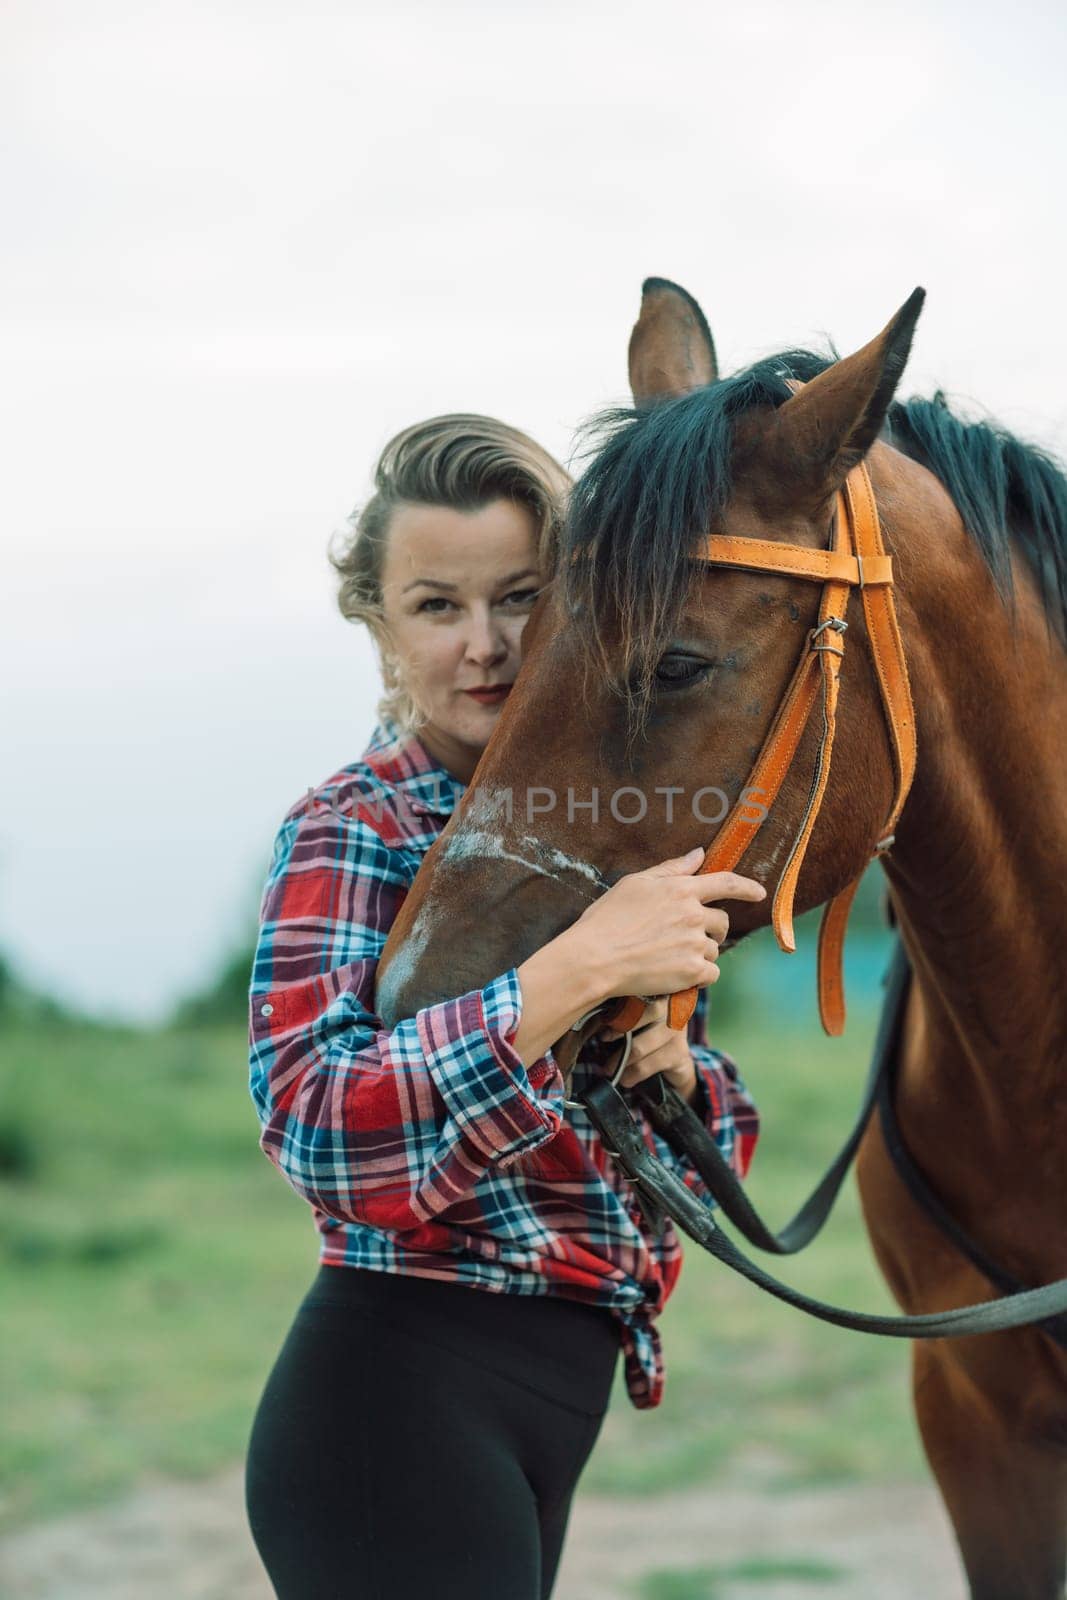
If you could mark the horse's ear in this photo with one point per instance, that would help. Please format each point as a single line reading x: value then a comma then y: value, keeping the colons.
x: 671, y: 348
x: 827, y: 428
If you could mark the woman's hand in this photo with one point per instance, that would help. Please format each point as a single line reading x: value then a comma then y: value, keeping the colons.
x: 655, y: 1047
x: 654, y: 932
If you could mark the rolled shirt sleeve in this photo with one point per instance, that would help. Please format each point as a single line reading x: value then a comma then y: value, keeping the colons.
x: 386, y: 1128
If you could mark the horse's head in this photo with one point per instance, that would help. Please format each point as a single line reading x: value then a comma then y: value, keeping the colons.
x: 649, y: 678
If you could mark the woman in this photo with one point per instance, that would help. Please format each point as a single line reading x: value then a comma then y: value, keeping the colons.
x: 415, y: 1438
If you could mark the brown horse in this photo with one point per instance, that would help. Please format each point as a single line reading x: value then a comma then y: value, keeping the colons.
x: 648, y: 685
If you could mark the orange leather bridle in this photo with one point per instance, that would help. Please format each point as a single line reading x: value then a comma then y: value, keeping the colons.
x: 856, y: 558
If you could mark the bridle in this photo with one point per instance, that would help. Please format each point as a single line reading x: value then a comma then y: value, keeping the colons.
x: 855, y: 559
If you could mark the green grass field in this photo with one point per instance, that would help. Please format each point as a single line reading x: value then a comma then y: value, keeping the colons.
x: 151, y: 1259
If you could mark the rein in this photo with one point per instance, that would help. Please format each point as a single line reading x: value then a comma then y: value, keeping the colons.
x: 661, y: 1193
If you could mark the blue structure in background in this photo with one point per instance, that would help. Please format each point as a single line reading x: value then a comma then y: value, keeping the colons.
x: 759, y: 974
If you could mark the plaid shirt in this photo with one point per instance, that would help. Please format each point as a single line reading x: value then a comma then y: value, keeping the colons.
x: 431, y: 1149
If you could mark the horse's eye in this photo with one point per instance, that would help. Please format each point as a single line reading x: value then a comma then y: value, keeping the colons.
x: 678, y: 671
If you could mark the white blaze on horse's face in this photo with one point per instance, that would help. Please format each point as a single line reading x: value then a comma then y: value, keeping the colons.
x: 472, y: 846
x: 489, y: 830
x: 547, y: 861
x: 397, y: 973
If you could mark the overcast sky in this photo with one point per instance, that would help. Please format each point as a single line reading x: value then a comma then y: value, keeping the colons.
x: 244, y: 245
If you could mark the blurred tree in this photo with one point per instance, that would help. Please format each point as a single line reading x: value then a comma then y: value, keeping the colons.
x: 23, y: 1003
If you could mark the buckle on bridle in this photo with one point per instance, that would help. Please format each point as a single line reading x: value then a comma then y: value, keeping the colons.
x: 624, y: 1056
x: 838, y: 624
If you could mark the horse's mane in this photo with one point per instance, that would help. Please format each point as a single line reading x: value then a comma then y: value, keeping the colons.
x: 660, y: 477
x: 1007, y: 492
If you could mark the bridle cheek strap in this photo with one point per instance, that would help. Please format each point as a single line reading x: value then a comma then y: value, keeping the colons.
x: 856, y: 559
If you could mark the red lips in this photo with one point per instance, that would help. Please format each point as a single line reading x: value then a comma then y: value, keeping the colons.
x: 493, y: 695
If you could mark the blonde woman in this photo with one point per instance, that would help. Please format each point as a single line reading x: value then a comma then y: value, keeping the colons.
x: 446, y: 1376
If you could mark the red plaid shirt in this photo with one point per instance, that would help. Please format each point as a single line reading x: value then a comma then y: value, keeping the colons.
x: 431, y: 1149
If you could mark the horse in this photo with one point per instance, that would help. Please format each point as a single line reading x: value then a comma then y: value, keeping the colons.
x: 649, y: 681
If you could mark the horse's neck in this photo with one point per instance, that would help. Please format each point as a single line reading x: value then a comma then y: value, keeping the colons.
x: 980, y: 858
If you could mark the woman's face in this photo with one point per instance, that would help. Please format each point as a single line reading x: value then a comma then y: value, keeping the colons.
x: 457, y: 588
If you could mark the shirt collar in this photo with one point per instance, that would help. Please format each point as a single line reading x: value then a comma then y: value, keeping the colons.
x: 400, y: 761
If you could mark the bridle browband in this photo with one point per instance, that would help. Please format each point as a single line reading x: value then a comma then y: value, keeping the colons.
x: 855, y: 559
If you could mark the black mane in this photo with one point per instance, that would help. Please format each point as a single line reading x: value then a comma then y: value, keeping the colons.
x: 1007, y: 492
x: 660, y: 478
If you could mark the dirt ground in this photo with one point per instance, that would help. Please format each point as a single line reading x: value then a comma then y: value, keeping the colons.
x: 190, y: 1542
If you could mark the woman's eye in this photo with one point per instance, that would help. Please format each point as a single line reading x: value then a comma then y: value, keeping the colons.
x: 520, y: 597
x: 435, y: 604
x: 677, y: 671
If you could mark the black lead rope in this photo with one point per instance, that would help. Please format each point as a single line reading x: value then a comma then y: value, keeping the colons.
x: 685, y: 1132
x: 661, y: 1192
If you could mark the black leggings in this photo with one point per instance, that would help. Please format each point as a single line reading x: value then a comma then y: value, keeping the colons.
x: 420, y: 1438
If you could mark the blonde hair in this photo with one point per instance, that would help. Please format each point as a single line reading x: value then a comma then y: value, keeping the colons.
x: 462, y: 461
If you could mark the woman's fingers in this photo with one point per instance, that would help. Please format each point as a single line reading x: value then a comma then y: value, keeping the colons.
x: 712, y: 885
x: 656, y: 931
x: 676, y: 866
x: 728, y: 886
x: 654, y: 1012
x: 658, y: 1049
